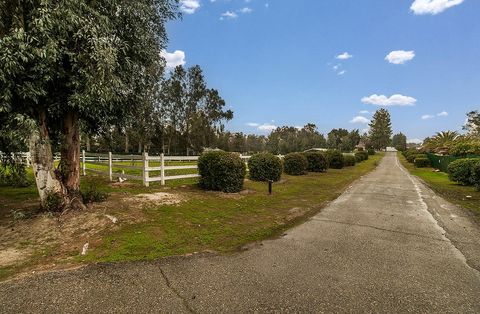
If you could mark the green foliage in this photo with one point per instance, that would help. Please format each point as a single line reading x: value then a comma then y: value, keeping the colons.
x: 221, y: 171
x: 54, y: 202
x: 466, y: 146
x: 295, y: 164
x: 361, y: 156
x: 350, y: 160
x: 473, y: 123
x: 343, y: 140
x: 335, y: 159
x: 317, y: 162
x: 265, y: 167
x: 13, y: 172
x: 411, y: 157
x: 91, y: 194
x: 380, y: 129
x: 288, y: 139
x: 371, y: 151
x: 461, y: 170
x: 399, y: 141
x: 422, y: 162
x: 476, y: 175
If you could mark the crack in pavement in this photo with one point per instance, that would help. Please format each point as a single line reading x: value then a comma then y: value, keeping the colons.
x: 169, y: 285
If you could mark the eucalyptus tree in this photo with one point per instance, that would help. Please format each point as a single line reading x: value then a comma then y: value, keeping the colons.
x: 399, y: 141
x: 66, y: 62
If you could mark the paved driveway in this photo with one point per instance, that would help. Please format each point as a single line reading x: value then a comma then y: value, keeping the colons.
x: 388, y: 244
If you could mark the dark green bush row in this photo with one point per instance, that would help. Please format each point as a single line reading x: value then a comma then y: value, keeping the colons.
x: 422, y: 162
x: 412, y: 157
x: 265, y: 167
x: 350, y: 160
x: 335, y: 159
x: 361, y: 156
x: 295, y: 164
x: 221, y: 171
x: 317, y: 162
x: 463, y: 171
x: 371, y: 151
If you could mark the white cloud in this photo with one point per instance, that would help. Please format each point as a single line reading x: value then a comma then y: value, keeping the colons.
x: 360, y: 119
x: 415, y: 141
x: 267, y: 127
x: 189, y: 6
x: 364, y: 112
x: 394, y: 100
x: 245, y: 10
x: 427, y: 117
x: 342, y: 72
x: 229, y: 15
x: 400, y: 56
x: 432, y: 6
x: 173, y: 59
x: 253, y: 124
x: 442, y: 114
x: 344, y: 56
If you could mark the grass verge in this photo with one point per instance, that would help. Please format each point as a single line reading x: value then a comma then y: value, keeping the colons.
x: 439, y: 182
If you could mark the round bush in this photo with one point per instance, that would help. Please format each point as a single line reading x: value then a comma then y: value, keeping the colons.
x: 422, y: 162
x: 411, y: 158
x: 461, y: 170
x: 295, y: 164
x: 371, y: 151
x: 221, y: 171
x: 350, y: 160
x: 265, y: 167
x: 317, y: 162
x: 361, y: 156
x: 336, y: 160
x: 476, y: 175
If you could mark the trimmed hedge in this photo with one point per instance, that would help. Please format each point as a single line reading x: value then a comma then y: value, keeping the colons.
x: 221, y: 171
x: 461, y: 170
x: 350, y: 160
x: 411, y: 157
x: 371, y: 151
x: 317, y: 162
x: 361, y: 156
x: 335, y: 159
x: 295, y: 164
x: 421, y: 162
x: 476, y: 175
x: 265, y: 167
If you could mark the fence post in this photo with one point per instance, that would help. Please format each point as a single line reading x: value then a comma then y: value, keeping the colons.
x: 83, y: 163
x: 145, y: 171
x: 162, y: 164
x: 110, y: 170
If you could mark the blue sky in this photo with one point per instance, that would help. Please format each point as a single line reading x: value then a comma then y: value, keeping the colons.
x: 279, y: 62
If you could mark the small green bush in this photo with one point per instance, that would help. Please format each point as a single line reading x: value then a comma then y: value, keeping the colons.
x: 461, y: 170
x: 421, y: 162
x: 317, y: 162
x: 361, y: 156
x: 221, y: 171
x: 91, y: 194
x: 265, y: 167
x: 476, y: 175
x: 371, y: 151
x: 335, y: 159
x: 350, y: 160
x: 295, y: 164
x: 411, y: 158
x: 54, y: 202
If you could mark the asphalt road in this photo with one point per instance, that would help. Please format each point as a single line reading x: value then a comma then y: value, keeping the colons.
x: 388, y: 244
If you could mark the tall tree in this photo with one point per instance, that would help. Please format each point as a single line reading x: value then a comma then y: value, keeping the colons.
x: 473, y: 123
x: 399, y: 141
x: 380, y: 129
x: 77, y: 61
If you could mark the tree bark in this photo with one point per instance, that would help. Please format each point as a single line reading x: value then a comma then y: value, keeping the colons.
x: 46, y: 177
x: 88, y: 143
x: 70, y: 159
x: 126, y: 142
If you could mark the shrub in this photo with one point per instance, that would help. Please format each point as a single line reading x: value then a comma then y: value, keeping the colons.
x: 361, y: 156
x: 421, y: 162
x: 411, y: 158
x: 335, y: 159
x: 461, y: 170
x: 476, y: 175
x: 317, y: 162
x: 91, y: 194
x: 350, y: 160
x: 295, y: 164
x: 371, y: 151
x: 221, y: 171
x: 265, y: 167
x: 53, y: 202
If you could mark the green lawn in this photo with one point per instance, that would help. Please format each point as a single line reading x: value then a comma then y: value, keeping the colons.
x: 204, y: 221
x: 439, y: 182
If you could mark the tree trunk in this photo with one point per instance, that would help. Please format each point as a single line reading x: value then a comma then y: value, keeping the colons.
x: 140, y: 147
x: 126, y: 142
x: 70, y: 156
x: 47, y: 179
x: 88, y: 143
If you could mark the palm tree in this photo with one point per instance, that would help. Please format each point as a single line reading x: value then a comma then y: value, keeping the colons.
x: 442, y: 141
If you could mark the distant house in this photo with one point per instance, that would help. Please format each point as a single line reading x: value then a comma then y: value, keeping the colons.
x: 391, y: 149
x: 316, y: 150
